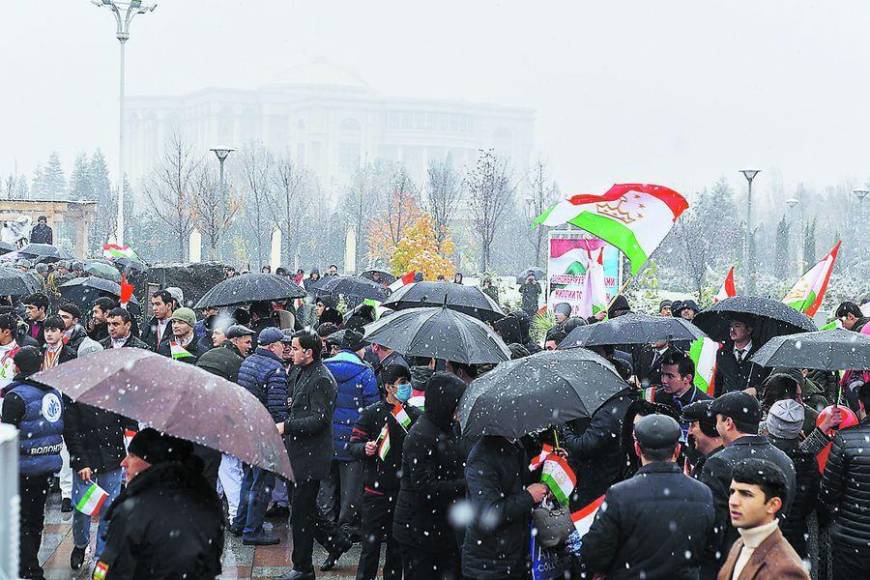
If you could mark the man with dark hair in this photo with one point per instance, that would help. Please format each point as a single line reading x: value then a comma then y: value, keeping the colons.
x: 554, y: 336
x: 98, y: 327
x: 36, y: 307
x: 850, y: 316
x: 332, y: 270
x: 73, y: 332
x: 735, y: 370
x: 685, y: 309
x: 54, y: 351
x: 702, y: 437
x: 530, y: 290
x: 665, y: 308
x: 36, y: 410
x: 120, y: 325
x: 844, y: 489
x: 8, y: 347
x: 756, y: 495
x: 659, y: 503
x: 158, y: 329
x: 308, y: 431
x: 677, y: 376
x: 42, y: 232
x: 737, y: 417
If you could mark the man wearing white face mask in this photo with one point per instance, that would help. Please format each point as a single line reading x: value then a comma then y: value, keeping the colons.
x: 377, y: 440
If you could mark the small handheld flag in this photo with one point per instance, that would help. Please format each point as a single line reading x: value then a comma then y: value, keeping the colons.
x: 703, y: 351
x: 92, y: 500
x: 807, y: 294
x: 728, y: 288
x: 538, y: 461
x: 384, y: 443
x: 402, y: 280
x: 128, y: 436
x: 559, y: 477
x: 178, y: 352
x: 401, y: 416
x: 584, y: 517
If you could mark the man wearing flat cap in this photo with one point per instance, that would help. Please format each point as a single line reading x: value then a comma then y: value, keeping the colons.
x: 703, y: 439
x: 659, y: 503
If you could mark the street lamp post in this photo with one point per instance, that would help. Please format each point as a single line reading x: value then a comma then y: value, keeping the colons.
x: 794, y: 237
x: 861, y: 194
x: 124, y: 12
x: 221, y: 153
x: 749, y: 255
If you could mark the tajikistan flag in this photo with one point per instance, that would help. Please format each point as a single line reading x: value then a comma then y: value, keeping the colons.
x: 807, y: 294
x: 728, y: 290
x: 93, y: 499
x: 401, y: 416
x: 703, y: 351
x: 115, y: 251
x: 634, y: 217
x: 584, y: 517
x: 559, y: 477
x: 178, y: 352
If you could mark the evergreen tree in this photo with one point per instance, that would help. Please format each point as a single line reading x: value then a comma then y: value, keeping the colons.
x: 101, y: 187
x: 809, y: 244
x: 80, y: 186
x: 37, y: 184
x: 780, y: 264
x: 55, y: 180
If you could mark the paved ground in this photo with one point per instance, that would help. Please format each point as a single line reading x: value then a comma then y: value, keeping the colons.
x: 239, y: 561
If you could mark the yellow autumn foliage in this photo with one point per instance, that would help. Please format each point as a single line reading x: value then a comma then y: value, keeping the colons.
x: 418, y: 250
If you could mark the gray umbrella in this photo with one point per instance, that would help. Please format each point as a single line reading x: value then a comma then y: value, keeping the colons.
x: 45, y: 253
x: 16, y: 283
x: 102, y: 269
x: 83, y: 292
x: 439, y: 333
x: 632, y: 328
x: 771, y: 318
x: 250, y: 288
x: 532, y: 393
x: 827, y: 350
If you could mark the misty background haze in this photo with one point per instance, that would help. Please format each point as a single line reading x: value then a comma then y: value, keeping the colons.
x: 678, y: 93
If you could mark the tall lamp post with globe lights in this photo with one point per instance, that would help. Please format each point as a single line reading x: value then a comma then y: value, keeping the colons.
x: 124, y: 12
x: 749, y: 255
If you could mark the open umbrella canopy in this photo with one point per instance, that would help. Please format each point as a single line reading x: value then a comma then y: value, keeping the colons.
x: 355, y: 289
x: 130, y: 264
x: 632, y: 328
x: 45, y: 253
x: 385, y: 277
x: 828, y: 350
x: 532, y: 393
x: 176, y: 398
x: 83, y: 291
x: 16, y: 283
x: 772, y: 318
x: 439, y: 333
x: 466, y: 299
x: 102, y: 269
x: 6, y: 247
x: 250, y: 288
x: 534, y: 270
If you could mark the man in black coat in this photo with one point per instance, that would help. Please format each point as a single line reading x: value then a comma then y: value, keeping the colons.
x: 432, y: 480
x: 595, y: 453
x: 97, y: 326
x: 845, y: 486
x: 42, y: 232
x: 737, y: 417
x: 182, y: 344
x: 121, y: 331
x: 656, y: 524
x: 496, y: 544
x: 226, y: 359
x: 159, y: 329
x: 168, y: 522
x: 734, y: 369
x: 308, y: 435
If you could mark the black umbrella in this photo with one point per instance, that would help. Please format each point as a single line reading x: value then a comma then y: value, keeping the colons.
x: 439, y: 333
x: 385, y: 277
x: 537, y: 272
x: 827, y: 350
x: 466, y: 299
x: 130, y: 264
x: 250, y: 288
x: 16, y: 283
x: 532, y: 393
x: 632, y: 328
x: 771, y: 318
x: 102, y: 269
x: 45, y: 253
x: 354, y: 289
x: 7, y: 247
x: 83, y: 292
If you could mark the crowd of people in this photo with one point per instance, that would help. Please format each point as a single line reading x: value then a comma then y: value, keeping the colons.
x: 713, y: 485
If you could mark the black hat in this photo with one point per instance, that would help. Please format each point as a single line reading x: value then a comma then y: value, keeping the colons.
x: 689, y: 304
x: 657, y: 432
x: 155, y: 447
x: 742, y: 407
x: 238, y: 331
x: 665, y: 304
x: 353, y: 340
x: 28, y: 359
x: 700, y: 411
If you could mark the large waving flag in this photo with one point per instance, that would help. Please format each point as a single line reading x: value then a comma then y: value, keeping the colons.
x: 634, y: 217
x: 728, y: 289
x: 111, y: 251
x: 807, y: 294
x: 703, y: 351
x: 594, y: 297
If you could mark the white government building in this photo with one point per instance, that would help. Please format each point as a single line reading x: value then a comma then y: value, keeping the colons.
x: 328, y: 119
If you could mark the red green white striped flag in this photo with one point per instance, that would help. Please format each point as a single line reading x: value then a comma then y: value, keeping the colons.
x: 807, y: 294
x: 401, y: 416
x: 93, y: 499
x: 177, y: 351
x: 728, y: 289
x: 584, y: 517
x: 634, y: 217
x: 538, y: 460
x: 384, y: 443
x: 115, y: 251
x: 703, y: 351
x: 559, y: 477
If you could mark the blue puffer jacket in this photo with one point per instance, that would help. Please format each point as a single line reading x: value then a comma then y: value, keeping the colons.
x: 357, y: 389
x: 40, y: 429
x: 263, y: 375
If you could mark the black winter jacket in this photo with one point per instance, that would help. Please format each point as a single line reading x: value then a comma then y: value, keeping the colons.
x: 132, y: 342
x: 149, y: 334
x: 165, y: 349
x: 381, y: 476
x: 432, y: 471
x: 308, y: 429
x: 496, y: 544
x: 733, y: 376
x: 846, y: 487
x: 167, y: 523
x: 807, y: 479
x: 223, y: 361
x: 655, y: 525
x: 595, y: 454
x: 94, y: 437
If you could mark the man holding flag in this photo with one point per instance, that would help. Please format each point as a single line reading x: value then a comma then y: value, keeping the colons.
x: 655, y: 524
x: 183, y: 346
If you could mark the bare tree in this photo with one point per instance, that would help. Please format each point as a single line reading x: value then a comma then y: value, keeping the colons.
x: 170, y: 190
x: 257, y: 181
x: 401, y: 205
x: 540, y: 195
x: 365, y: 192
x: 214, y: 210
x: 695, y: 257
x: 442, y: 194
x: 489, y: 193
x: 291, y: 203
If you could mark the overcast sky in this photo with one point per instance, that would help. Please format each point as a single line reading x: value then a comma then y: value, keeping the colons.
x: 677, y: 93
